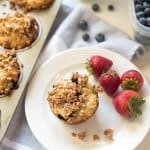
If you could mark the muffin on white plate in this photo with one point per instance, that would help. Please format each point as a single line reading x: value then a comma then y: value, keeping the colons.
x: 74, y: 100
x: 9, y: 71
x: 17, y: 31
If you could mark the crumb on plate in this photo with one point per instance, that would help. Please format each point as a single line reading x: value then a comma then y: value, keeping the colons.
x: 108, y: 133
x: 96, y: 137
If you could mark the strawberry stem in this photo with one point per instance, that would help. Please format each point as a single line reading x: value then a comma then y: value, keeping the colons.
x: 89, y: 67
x: 134, y: 106
x: 130, y: 84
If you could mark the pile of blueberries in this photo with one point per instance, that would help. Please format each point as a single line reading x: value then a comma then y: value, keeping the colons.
x: 142, y: 9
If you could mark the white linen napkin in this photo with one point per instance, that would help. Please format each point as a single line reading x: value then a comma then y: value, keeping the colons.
x: 19, y: 136
x: 69, y: 35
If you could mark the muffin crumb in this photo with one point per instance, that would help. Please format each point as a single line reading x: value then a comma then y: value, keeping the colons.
x: 74, y: 134
x: 96, y: 137
x: 82, y: 135
x: 108, y: 133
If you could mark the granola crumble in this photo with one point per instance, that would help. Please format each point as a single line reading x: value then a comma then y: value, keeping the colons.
x: 9, y: 71
x: 17, y: 31
x: 28, y: 5
x: 74, y: 100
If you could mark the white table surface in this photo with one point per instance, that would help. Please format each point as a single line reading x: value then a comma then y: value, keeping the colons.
x: 121, y: 19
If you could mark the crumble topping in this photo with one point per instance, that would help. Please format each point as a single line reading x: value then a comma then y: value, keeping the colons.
x: 17, y: 31
x: 28, y: 5
x: 74, y: 100
x: 9, y: 71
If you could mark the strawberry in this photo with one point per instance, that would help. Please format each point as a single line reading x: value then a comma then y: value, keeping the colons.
x: 110, y: 82
x: 128, y: 103
x: 98, y: 65
x: 132, y: 79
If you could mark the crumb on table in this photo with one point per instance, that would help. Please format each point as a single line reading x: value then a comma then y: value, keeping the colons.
x: 108, y: 133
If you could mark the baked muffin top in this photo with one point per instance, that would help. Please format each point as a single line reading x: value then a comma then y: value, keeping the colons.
x: 17, y: 31
x: 74, y: 100
x: 9, y: 71
x: 28, y: 5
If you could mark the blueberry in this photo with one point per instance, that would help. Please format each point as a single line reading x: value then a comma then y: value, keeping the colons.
x: 95, y: 7
x: 100, y: 37
x: 111, y: 7
x: 83, y: 25
x: 148, y: 21
x: 147, y: 11
x: 140, y: 14
x: 138, y: 1
x: 146, y: 5
x: 138, y: 7
x: 86, y: 37
x: 74, y: 80
x: 142, y: 20
x: 147, y: 1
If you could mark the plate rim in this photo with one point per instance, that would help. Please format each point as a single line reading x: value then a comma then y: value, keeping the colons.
x: 72, y: 50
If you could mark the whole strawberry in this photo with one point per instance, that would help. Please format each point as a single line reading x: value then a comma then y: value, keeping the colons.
x: 128, y: 103
x: 132, y: 79
x: 98, y: 65
x: 110, y: 82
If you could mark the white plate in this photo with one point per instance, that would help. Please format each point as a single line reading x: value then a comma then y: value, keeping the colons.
x: 54, y: 134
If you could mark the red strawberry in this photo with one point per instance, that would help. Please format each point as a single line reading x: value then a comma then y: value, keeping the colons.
x: 132, y: 79
x: 98, y: 65
x: 128, y: 103
x: 110, y: 82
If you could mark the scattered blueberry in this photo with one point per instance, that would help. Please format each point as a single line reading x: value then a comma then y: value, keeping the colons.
x: 138, y: 7
x: 100, y: 37
x: 140, y: 14
x: 111, y: 7
x: 86, y: 37
x: 146, y: 5
x: 147, y: 11
x: 83, y: 25
x: 148, y: 21
x: 95, y: 7
x: 142, y: 20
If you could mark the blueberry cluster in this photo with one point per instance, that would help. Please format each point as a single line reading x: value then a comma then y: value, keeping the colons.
x: 142, y: 9
x: 83, y: 25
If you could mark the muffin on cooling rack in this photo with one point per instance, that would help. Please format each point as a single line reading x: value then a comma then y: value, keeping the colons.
x: 74, y: 100
x: 17, y: 31
x: 28, y: 5
x: 9, y: 71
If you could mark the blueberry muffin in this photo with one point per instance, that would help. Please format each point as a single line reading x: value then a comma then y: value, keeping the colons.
x: 9, y: 71
x: 74, y: 100
x: 28, y: 5
x: 17, y: 31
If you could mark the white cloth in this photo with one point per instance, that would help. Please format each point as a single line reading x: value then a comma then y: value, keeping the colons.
x: 19, y: 136
x: 69, y: 35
